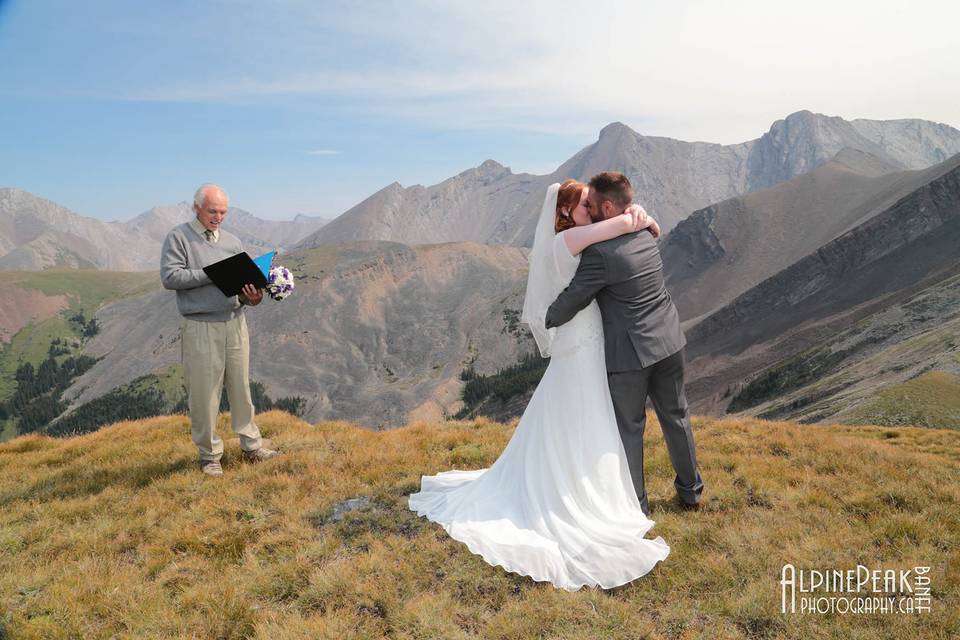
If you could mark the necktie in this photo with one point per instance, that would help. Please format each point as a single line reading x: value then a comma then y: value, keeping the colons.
x: 209, y: 235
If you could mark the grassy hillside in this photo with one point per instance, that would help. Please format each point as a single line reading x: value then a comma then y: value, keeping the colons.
x: 117, y: 534
x: 86, y: 289
x: 930, y: 400
x: 85, y: 292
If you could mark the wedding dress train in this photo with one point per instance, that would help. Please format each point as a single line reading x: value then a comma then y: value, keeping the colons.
x: 559, y: 504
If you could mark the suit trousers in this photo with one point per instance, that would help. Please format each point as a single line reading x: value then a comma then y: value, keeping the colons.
x: 214, y: 354
x: 663, y: 383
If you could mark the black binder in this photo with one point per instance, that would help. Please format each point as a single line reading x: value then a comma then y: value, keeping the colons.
x: 232, y: 273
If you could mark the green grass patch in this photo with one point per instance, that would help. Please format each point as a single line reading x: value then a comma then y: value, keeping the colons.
x: 85, y: 290
x: 311, y: 266
x: 931, y: 400
x: 30, y: 344
x: 8, y: 430
x: 168, y: 381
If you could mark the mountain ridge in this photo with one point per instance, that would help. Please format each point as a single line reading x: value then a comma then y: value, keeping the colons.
x: 899, y: 253
x: 729, y: 247
x: 376, y: 333
x: 37, y: 233
x: 489, y: 203
x: 671, y: 178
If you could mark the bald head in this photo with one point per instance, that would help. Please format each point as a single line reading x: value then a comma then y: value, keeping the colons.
x: 204, y: 190
x: 210, y: 204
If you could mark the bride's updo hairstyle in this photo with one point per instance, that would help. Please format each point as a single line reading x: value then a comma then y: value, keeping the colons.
x: 568, y: 198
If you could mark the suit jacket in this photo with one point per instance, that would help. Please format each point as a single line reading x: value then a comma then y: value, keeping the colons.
x: 641, y: 325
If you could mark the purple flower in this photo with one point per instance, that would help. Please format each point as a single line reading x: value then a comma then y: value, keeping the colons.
x: 279, y: 283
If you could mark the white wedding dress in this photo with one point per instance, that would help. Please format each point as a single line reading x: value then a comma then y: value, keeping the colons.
x: 558, y: 505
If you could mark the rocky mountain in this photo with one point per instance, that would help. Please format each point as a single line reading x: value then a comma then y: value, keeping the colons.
x: 834, y: 298
x: 899, y: 365
x: 885, y: 282
x: 805, y: 140
x: 253, y: 231
x: 37, y: 234
x: 729, y: 247
x: 491, y: 204
x: 842, y: 269
x: 672, y: 178
x: 476, y: 205
x: 378, y: 333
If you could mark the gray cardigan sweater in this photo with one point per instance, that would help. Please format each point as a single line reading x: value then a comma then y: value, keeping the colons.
x: 185, y: 252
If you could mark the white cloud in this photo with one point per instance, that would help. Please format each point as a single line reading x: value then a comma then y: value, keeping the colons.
x: 719, y: 72
x: 323, y: 152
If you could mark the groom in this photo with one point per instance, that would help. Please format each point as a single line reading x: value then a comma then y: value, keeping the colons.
x: 644, y: 342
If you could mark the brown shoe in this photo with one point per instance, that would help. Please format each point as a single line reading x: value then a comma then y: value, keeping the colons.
x: 211, y: 468
x: 259, y: 455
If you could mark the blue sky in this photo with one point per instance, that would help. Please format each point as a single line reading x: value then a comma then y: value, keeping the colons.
x: 110, y: 108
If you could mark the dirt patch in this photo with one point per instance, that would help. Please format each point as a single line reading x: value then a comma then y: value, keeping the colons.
x: 23, y: 306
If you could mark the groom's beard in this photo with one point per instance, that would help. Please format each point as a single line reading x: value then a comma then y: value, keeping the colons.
x: 596, y: 214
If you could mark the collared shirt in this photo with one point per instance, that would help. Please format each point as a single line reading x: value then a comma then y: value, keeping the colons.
x: 197, y: 226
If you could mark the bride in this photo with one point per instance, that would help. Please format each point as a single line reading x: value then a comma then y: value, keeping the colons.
x: 559, y: 504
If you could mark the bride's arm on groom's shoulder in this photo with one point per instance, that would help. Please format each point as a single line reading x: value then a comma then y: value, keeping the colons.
x: 579, y: 238
x: 633, y: 219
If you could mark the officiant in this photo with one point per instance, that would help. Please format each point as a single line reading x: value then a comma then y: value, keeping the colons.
x: 215, y: 346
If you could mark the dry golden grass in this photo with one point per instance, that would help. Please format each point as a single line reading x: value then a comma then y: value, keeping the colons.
x: 117, y: 534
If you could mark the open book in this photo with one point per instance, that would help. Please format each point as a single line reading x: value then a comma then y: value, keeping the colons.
x: 230, y: 274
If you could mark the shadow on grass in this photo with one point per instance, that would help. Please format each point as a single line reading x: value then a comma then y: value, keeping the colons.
x: 92, y: 480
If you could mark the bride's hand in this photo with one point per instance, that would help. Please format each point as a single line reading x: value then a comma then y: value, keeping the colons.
x: 638, y: 219
x: 654, y: 228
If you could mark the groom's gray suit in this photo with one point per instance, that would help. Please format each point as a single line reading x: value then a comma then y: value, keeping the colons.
x: 644, y: 350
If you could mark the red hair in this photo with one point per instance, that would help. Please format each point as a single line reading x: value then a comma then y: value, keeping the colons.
x: 568, y: 199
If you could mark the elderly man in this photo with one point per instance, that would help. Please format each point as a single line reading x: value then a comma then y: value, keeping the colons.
x: 215, y: 347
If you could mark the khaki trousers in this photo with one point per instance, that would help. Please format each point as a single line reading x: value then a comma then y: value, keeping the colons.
x: 214, y: 353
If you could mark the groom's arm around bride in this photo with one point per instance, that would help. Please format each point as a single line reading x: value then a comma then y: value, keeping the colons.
x: 642, y: 337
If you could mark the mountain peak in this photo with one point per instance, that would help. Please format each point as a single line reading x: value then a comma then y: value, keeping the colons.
x: 15, y: 193
x: 487, y: 169
x: 615, y: 129
x: 802, y: 113
x: 492, y: 168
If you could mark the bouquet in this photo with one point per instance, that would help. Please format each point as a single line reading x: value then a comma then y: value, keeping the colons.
x: 279, y: 283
